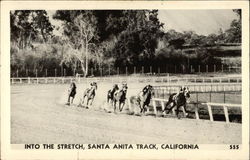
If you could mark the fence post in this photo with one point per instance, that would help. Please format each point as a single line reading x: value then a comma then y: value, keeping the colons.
x: 27, y: 73
x: 17, y: 73
x: 61, y: 71
x: 210, y: 113
x: 162, y: 105
x: 206, y: 68
x: 55, y: 72
x: 92, y: 71
x: 101, y: 71
x: 129, y: 104
x: 154, y: 105
x: 222, y: 68
x: 46, y: 72
x: 118, y: 71
x: 126, y: 70
x: 36, y: 73
x: 109, y: 70
x: 226, y: 113
x: 191, y: 69
x: 150, y: 69
x: 28, y: 80
x: 64, y: 72
x: 210, y: 95
x: 224, y: 92
x: 196, y: 111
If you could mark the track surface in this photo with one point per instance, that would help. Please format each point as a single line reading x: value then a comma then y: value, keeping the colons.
x: 38, y: 115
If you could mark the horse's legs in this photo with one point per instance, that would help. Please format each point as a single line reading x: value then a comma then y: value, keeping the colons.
x: 141, y: 106
x: 174, y: 104
x: 114, y: 105
x: 165, y: 108
x: 177, y: 110
x: 145, y: 108
x: 108, y: 99
x: 91, y: 101
x: 87, y: 106
x: 121, y: 105
x: 185, y: 110
x: 72, y: 100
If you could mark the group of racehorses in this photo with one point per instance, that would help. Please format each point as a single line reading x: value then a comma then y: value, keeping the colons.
x: 118, y: 96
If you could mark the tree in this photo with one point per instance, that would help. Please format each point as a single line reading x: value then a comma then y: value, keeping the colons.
x: 139, y: 40
x: 80, y: 33
x: 29, y: 25
x: 233, y: 34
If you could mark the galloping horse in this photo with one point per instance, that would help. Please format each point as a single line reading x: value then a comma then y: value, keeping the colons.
x: 144, y: 97
x: 71, y: 93
x: 178, y: 100
x: 111, y: 92
x: 120, y: 97
x: 90, y: 94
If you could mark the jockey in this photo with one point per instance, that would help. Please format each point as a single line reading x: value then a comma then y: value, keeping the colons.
x: 71, y: 92
x: 182, y: 89
x: 114, y: 90
x: 72, y: 89
x: 145, y: 89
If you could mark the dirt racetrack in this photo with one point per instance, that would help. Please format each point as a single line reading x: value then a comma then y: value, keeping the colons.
x: 38, y: 115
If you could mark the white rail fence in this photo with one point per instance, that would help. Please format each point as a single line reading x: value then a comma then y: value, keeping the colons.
x: 161, y: 91
x: 225, y: 108
x: 46, y: 80
x: 209, y: 107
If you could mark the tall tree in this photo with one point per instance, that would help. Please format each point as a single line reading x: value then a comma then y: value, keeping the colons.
x: 80, y: 33
x: 29, y: 25
x: 233, y: 34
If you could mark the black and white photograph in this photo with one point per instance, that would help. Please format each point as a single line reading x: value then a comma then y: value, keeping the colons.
x: 149, y: 79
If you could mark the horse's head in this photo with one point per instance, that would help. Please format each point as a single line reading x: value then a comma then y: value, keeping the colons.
x: 151, y: 90
x: 115, y: 87
x: 186, y: 93
x: 124, y: 87
x: 73, y: 85
x: 148, y: 91
x: 93, y: 85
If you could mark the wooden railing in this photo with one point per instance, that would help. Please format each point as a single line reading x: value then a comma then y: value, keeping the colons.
x: 225, y: 108
x: 166, y: 79
x: 161, y: 91
x: 209, y: 106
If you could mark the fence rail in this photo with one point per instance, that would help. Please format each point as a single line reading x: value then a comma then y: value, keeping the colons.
x: 120, y: 79
x: 198, y: 88
x: 209, y: 106
x: 225, y: 108
x: 127, y: 70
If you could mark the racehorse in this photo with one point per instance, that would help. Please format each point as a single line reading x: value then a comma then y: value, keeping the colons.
x: 71, y: 93
x: 89, y: 93
x: 111, y: 92
x: 144, y: 97
x: 178, y: 100
x: 120, y: 97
